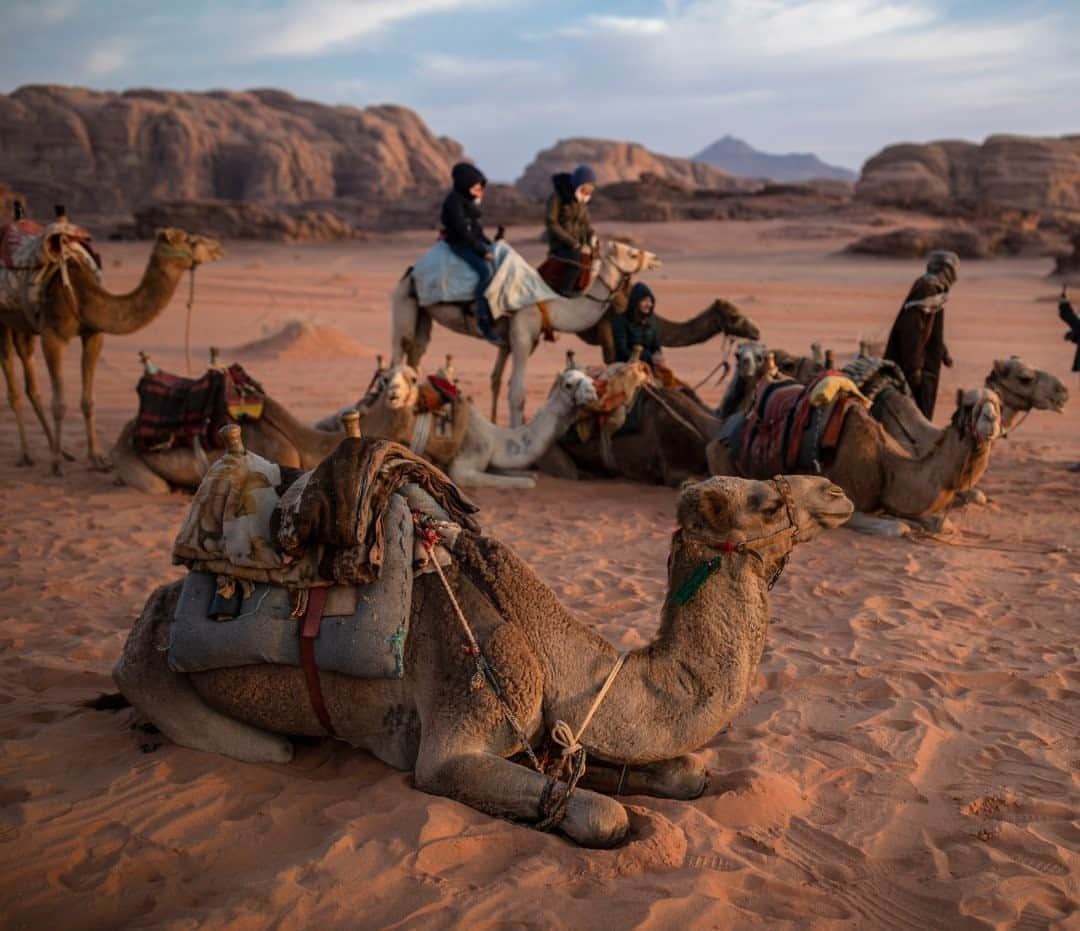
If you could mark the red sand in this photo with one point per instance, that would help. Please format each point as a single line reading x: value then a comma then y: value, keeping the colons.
x: 909, y: 758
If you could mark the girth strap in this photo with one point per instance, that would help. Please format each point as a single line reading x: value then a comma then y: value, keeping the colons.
x: 546, y: 326
x: 309, y: 632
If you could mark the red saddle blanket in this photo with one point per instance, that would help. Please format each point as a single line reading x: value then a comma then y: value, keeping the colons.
x: 772, y: 437
x: 13, y: 235
x: 175, y: 411
x: 554, y: 271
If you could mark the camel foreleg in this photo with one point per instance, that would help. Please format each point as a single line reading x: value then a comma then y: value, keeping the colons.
x: 522, y: 344
x: 469, y: 476
x: 170, y: 701
x: 496, y: 381
x: 131, y: 469
x: 499, y: 787
x: 877, y: 526
x: 24, y: 347
x: 53, y: 348
x: 683, y: 778
x: 92, y: 344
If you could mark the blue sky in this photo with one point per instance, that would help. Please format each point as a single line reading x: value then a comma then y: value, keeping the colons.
x: 840, y: 78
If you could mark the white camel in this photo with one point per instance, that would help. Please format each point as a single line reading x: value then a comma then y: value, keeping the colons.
x: 522, y: 331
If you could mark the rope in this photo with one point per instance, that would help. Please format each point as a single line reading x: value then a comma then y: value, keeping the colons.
x: 724, y: 363
x: 187, y: 324
x: 1016, y: 426
x: 675, y: 415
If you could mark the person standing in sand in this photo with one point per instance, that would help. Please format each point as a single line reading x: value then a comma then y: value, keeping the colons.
x: 917, y: 340
x: 464, y: 232
x: 567, y: 225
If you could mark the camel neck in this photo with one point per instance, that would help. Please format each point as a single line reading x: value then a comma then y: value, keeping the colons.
x: 520, y: 447
x: 120, y: 314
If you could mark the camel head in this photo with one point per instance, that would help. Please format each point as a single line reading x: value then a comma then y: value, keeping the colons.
x: 751, y: 359
x: 978, y: 414
x: 1024, y: 388
x: 757, y: 513
x: 732, y: 321
x: 398, y: 388
x: 629, y: 260
x: 575, y: 389
x: 189, y: 250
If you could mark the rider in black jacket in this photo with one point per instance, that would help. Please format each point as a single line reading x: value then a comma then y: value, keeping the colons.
x: 461, y: 222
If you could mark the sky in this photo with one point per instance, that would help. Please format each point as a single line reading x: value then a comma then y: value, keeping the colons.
x: 507, y: 78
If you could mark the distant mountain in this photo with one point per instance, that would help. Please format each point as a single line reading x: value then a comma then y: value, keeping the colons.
x: 739, y: 158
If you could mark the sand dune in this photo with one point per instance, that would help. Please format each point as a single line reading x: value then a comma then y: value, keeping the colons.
x: 909, y: 758
x: 302, y: 341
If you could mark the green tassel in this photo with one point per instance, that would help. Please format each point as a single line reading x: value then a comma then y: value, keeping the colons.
x: 685, y: 592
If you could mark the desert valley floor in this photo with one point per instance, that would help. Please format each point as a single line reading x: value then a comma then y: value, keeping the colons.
x: 910, y: 757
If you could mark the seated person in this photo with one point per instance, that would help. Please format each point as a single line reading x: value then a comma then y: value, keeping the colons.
x: 637, y: 327
x: 464, y: 232
x: 567, y: 225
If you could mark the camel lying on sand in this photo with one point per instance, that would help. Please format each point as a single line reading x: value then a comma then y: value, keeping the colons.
x: 389, y: 410
x: 521, y: 331
x: 87, y: 310
x: 668, y: 700
x: 277, y: 435
x: 878, y: 474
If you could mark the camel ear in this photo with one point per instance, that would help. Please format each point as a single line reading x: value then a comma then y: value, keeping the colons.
x: 715, y: 507
x: 1000, y: 366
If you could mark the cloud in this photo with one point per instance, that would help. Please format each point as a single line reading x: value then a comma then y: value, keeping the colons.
x: 629, y: 25
x: 107, y: 58
x: 308, y: 28
x: 455, y: 67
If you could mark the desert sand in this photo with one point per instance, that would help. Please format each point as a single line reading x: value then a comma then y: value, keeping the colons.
x: 910, y: 757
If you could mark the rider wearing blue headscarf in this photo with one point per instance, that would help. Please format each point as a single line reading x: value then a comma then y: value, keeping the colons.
x: 568, y: 227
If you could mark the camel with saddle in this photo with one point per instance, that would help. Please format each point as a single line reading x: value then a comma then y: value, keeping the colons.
x: 403, y: 406
x: 471, y: 723
x: 52, y: 289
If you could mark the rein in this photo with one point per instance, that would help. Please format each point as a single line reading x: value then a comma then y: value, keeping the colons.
x: 685, y: 593
x: 624, y: 278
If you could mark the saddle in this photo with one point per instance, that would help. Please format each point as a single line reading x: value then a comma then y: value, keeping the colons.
x: 792, y: 427
x: 177, y: 411
x: 617, y: 388
x: 555, y: 270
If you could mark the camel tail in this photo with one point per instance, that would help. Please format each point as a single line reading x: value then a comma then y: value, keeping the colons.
x: 106, y: 701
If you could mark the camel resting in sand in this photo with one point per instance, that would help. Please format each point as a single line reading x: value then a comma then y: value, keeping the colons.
x: 879, y: 475
x: 389, y: 410
x: 668, y: 700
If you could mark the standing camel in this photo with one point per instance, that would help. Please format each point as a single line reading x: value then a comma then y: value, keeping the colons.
x: 668, y: 700
x: 81, y: 307
x: 522, y: 329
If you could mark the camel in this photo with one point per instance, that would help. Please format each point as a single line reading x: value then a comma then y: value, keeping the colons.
x: 1020, y: 387
x: 719, y: 317
x: 389, y: 411
x: 753, y: 362
x: 277, y: 435
x: 878, y: 474
x: 85, y: 309
x: 668, y: 700
x: 521, y: 330
x: 804, y: 369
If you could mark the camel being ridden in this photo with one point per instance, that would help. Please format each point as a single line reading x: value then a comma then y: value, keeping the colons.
x: 390, y: 411
x: 879, y: 475
x: 667, y: 700
x: 520, y: 331
x: 75, y: 304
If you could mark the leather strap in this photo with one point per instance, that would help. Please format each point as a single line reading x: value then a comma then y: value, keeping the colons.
x: 309, y: 632
x: 546, y: 326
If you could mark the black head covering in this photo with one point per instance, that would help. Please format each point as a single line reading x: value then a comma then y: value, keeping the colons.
x: 465, y: 176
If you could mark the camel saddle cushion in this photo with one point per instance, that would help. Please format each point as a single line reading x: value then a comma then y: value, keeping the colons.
x: 554, y: 271
x: 176, y: 411
x: 363, y: 627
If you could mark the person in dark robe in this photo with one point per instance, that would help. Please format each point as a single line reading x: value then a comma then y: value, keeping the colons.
x: 1072, y: 321
x: 917, y: 340
x: 464, y: 232
x: 637, y: 327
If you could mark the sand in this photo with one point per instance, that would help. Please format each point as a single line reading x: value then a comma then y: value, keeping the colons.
x: 909, y: 757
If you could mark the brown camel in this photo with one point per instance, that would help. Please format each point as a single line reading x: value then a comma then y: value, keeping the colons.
x: 87, y: 310
x: 668, y: 700
x: 719, y: 317
x: 277, y: 435
x: 878, y: 474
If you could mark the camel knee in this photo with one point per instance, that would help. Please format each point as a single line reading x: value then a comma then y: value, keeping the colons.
x: 87, y: 406
x: 59, y: 409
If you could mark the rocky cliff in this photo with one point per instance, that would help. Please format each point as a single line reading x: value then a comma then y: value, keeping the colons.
x: 615, y: 161
x: 113, y: 153
x: 952, y: 177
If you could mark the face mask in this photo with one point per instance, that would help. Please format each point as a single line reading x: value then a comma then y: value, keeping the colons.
x: 582, y: 197
x: 478, y: 199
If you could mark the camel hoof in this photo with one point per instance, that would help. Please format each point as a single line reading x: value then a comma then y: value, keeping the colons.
x: 973, y: 496
x: 70, y: 457
x: 99, y: 463
x: 58, y: 469
x: 23, y: 461
x: 594, y: 820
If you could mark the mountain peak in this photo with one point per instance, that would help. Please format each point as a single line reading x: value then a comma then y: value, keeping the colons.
x: 740, y: 158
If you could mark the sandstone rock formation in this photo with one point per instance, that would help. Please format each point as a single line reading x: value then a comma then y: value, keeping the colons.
x: 742, y: 159
x: 110, y: 153
x: 951, y: 177
x: 242, y: 220
x: 979, y: 241
x: 622, y: 161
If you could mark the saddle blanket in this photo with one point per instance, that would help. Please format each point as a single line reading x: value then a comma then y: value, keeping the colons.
x: 555, y: 270
x: 441, y: 277
x: 174, y: 411
x: 362, y: 633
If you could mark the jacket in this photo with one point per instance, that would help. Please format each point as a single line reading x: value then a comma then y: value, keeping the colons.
x: 461, y: 216
x: 567, y: 219
x: 630, y: 329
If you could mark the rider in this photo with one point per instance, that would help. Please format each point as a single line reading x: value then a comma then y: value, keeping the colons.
x: 569, y: 229
x: 637, y: 327
x: 464, y: 232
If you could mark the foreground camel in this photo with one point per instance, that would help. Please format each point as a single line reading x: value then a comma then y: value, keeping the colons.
x: 1020, y: 387
x: 523, y: 328
x: 878, y: 474
x: 668, y: 700
x: 389, y: 411
x: 277, y: 435
x: 88, y: 311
